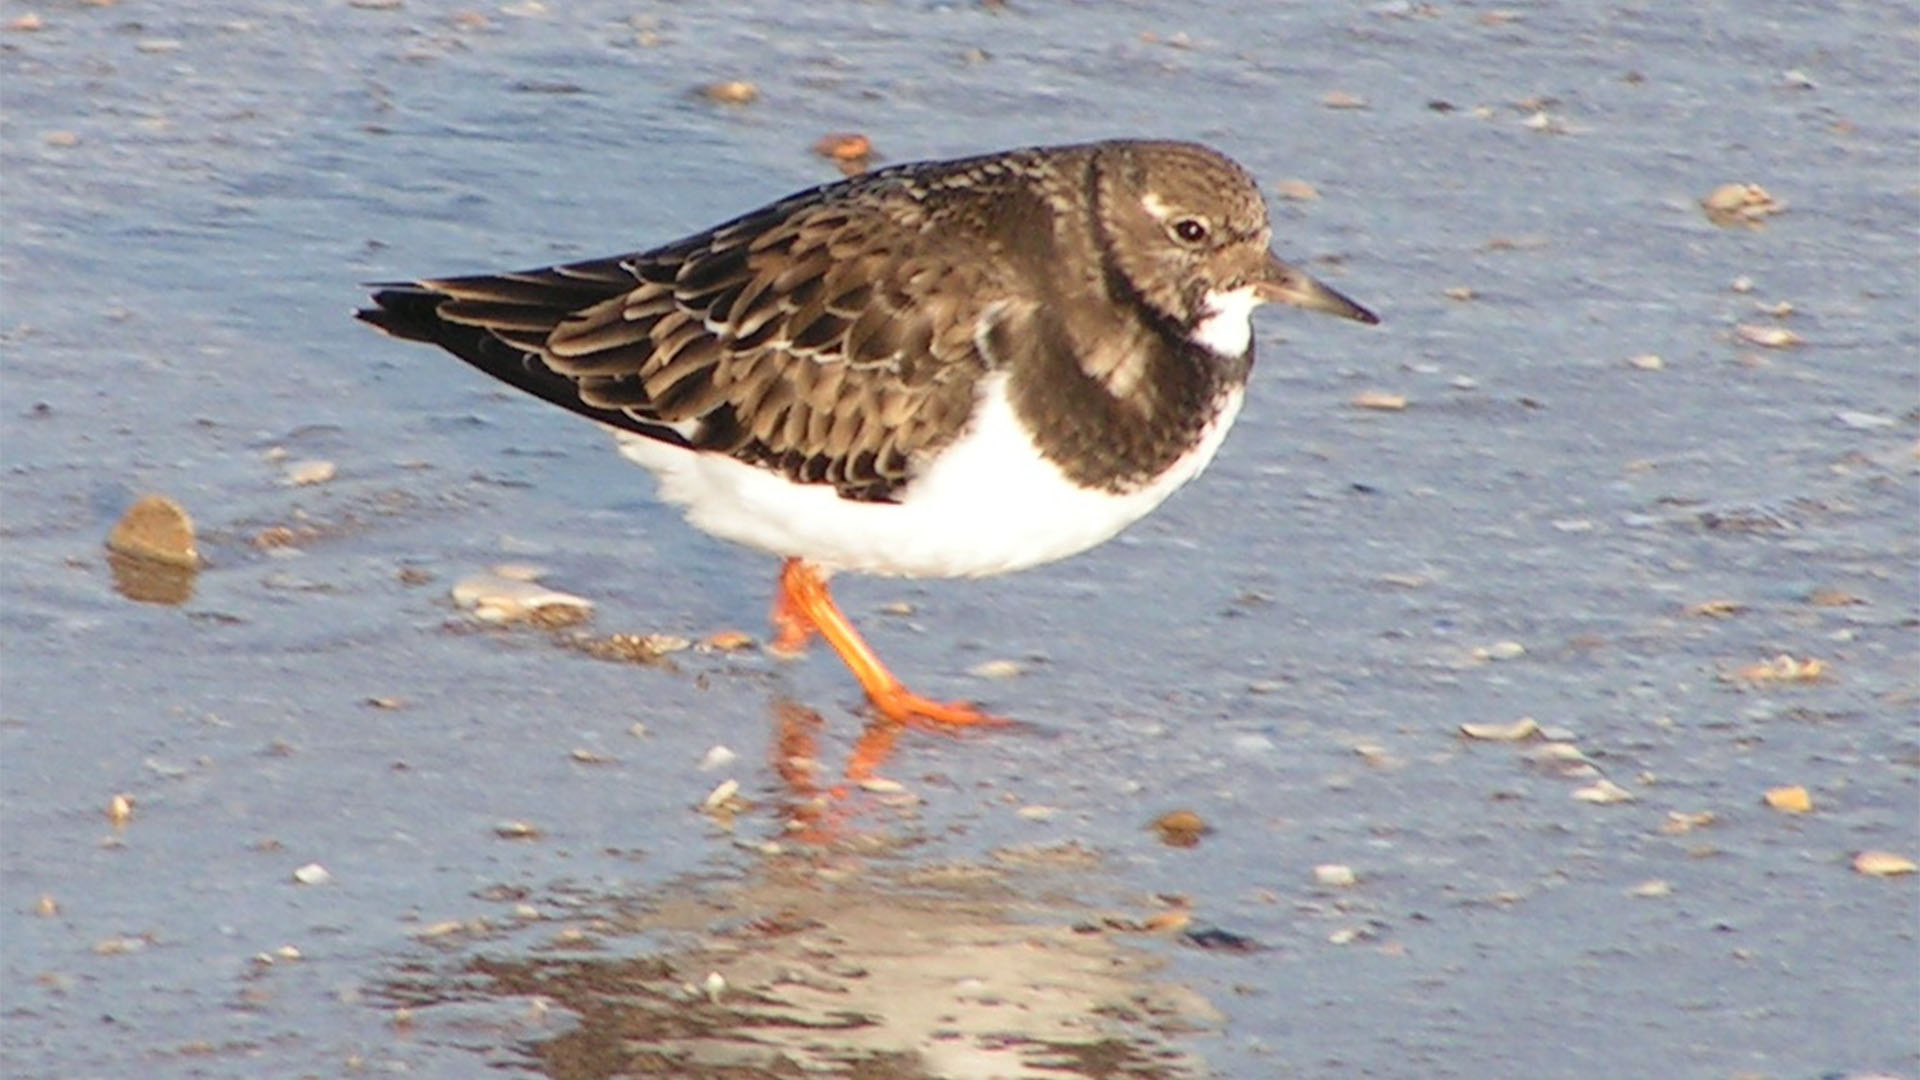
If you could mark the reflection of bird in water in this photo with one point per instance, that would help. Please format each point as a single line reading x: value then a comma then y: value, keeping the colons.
x: 948, y: 971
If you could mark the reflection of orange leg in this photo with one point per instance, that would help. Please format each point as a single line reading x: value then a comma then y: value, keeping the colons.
x: 805, y: 606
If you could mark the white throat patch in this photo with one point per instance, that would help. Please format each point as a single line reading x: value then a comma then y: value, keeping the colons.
x: 1226, y: 328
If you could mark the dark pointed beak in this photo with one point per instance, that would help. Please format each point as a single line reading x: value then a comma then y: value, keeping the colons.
x: 1285, y: 285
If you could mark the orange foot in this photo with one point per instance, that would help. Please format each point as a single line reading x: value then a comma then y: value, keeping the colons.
x: 804, y: 607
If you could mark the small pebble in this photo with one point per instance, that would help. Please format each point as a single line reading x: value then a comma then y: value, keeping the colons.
x: 1036, y: 813
x: 717, y: 757
x: 1181, y: 828
x: 120, y: 809
x: 1648, y: 890
x: 731, y: 92
x: 1524, y: 728
x: 156, y: 528
x: 1646, y: 362
x: 1790, y: 800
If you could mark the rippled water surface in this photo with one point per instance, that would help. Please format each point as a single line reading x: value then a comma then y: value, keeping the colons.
x: 521, y: 882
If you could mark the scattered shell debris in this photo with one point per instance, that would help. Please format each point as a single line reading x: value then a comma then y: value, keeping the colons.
x: 517, y: 830
x: 1340, y: 99
x: 1379, y: 401
x: 1461, y: 293
x: 1181, y: 828
x: 730, y: 92
x: 1768, y: 337
x: 46, y: 906
x: 1882, y: 864
x: 727, y: 641
x: 585, y: 756
x: 629, y: 648
x: 1334, y: 875
x: 1646, y: 362
x: 1524, y: 728
x: 1731, y: 205
x: 1603, y: 793
x: 308, y: 473
x: 722, y: 799
x: 714, y: 985
x: 1791, y: 799
x: 1680, y: 822
x: 1296, y: 191
x: 1826, y: 596
x: 504, y: 595
x: 1854, y: 420
x: 120, y: 946
x: 1715, y: 609
x: 1500, y: 650
x: 1781, y: 669
x: 995, y: 669
x: 1037, y: 812
x: 717, y: 757
x: 312, y: 874
x: 1648, y: 890
x: 120, y: 809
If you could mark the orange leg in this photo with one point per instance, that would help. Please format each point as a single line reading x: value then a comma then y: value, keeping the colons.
x: 792, y: 628
x: 804, y: 607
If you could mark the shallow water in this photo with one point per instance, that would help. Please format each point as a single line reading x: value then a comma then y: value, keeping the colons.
x: 1288, y: 647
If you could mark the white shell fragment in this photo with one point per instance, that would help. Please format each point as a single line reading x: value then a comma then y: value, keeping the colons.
x: 1604, y: 793
x: 720, y: 796
x: 312, y: 874
x: 497, y: 598
x: 307, y: 473
x: 1334, y: 875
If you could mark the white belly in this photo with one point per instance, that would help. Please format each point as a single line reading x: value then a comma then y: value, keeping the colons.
x: 990, y: 504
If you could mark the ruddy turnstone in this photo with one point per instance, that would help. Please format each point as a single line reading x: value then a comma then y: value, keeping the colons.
x: 942, y: 369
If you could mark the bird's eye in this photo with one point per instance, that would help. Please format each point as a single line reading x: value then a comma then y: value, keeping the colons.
x: 1190, y: 230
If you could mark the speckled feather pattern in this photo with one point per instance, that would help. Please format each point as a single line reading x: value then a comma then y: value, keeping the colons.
x: 838, y: 336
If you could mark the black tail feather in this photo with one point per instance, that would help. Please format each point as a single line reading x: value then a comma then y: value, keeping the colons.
x: 411, y: 311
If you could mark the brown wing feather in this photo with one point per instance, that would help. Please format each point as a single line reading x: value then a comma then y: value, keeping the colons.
x: 794, y: 338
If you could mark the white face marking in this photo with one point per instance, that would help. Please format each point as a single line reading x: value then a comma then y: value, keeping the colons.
x: 988, y: 505
x: 1226, y: 327
x: 1153, y: 205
